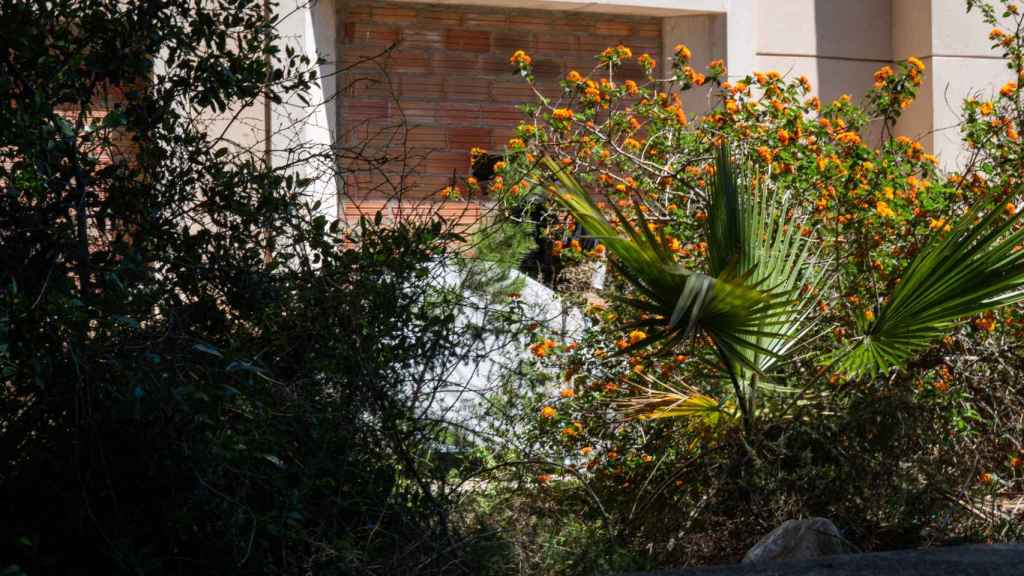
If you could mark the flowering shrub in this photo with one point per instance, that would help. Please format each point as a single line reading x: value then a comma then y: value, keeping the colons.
x: 890, y: 451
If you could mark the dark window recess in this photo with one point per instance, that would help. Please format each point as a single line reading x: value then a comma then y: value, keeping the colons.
x: 540, y: 263
x: 483, y: 166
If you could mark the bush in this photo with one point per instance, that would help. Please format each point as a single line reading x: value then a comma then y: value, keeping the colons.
x: 200, y: 372
x: 916, y: 448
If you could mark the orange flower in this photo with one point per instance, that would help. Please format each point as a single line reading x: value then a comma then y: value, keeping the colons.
x: 562, y: 114
x: 916, y: 63
x: 1010, y: 208
x: 620, y: 51
x: 574, y: 77
x: 543, y: 478
x: 450, y: 192
x: 647, y: 61
x: 636, y: 336
x: 764, y: 153
x: 693, y: 76
x: 569, y: 431
x: 631, y: 88
x: 985, y: 478
x: 783, y: 136
x: 869, y: 314
x: 548, y: 412
x: 996, y: 34
x: 680, y: 115
x: 881, y: 74
x: 541, y: 349
x: 849, y: 138
x: 986, y: 323
x: 883, y: 210
x: 586, y: 450
x: 1008, y: 89
x: 520, y: 58
x: 567, y: 393
x: 682, y: 52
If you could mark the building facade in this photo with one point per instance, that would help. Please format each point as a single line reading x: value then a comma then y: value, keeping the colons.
x: 426, y: 82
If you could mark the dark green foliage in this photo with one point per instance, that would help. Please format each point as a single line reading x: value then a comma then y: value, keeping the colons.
x: 497, y: 250
x: 197, y: 374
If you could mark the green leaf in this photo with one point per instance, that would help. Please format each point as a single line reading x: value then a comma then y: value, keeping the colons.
x: 208, y: 349
x: 974, y: 268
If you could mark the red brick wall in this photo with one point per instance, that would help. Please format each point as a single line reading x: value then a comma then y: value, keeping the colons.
x: 448, y: 86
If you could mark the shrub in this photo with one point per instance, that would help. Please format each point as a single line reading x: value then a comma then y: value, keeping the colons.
x: 901, y: 433
x: 199, y: 372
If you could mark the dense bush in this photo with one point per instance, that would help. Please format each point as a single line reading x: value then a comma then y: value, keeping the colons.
x: 687, y: 453
x: 199, y: 373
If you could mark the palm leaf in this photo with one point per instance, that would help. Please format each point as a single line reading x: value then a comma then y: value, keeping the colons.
x: 975, y: 267
x: 751, y: 233
x: 662, y: 400
x: 679, y: 302
x: 749, y: 301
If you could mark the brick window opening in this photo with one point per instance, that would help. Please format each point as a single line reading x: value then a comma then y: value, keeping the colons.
x: 446, y: 86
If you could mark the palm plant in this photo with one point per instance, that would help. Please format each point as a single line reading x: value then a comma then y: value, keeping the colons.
x: 746, y: 301
x: 755, y: 297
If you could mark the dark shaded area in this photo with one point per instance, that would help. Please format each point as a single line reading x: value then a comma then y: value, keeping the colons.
x: 992, y: 560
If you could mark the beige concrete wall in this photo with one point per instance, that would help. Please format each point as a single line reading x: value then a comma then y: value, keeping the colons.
x: 705, y: 36
x: 912, y: 36
x: 835, y: 43
x: 300, y: 131
x: 963, y: 65
x: 954, y: 46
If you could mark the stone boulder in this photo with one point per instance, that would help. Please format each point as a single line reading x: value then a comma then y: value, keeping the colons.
x: 800, y: 540
x: 987, y: 560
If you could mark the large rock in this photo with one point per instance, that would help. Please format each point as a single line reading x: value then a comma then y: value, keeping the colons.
x: 800, y: 540
x: 990, y: 560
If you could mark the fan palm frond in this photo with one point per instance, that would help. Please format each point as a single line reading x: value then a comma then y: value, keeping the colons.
x: 753, y: 300
x: 975, y: 267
